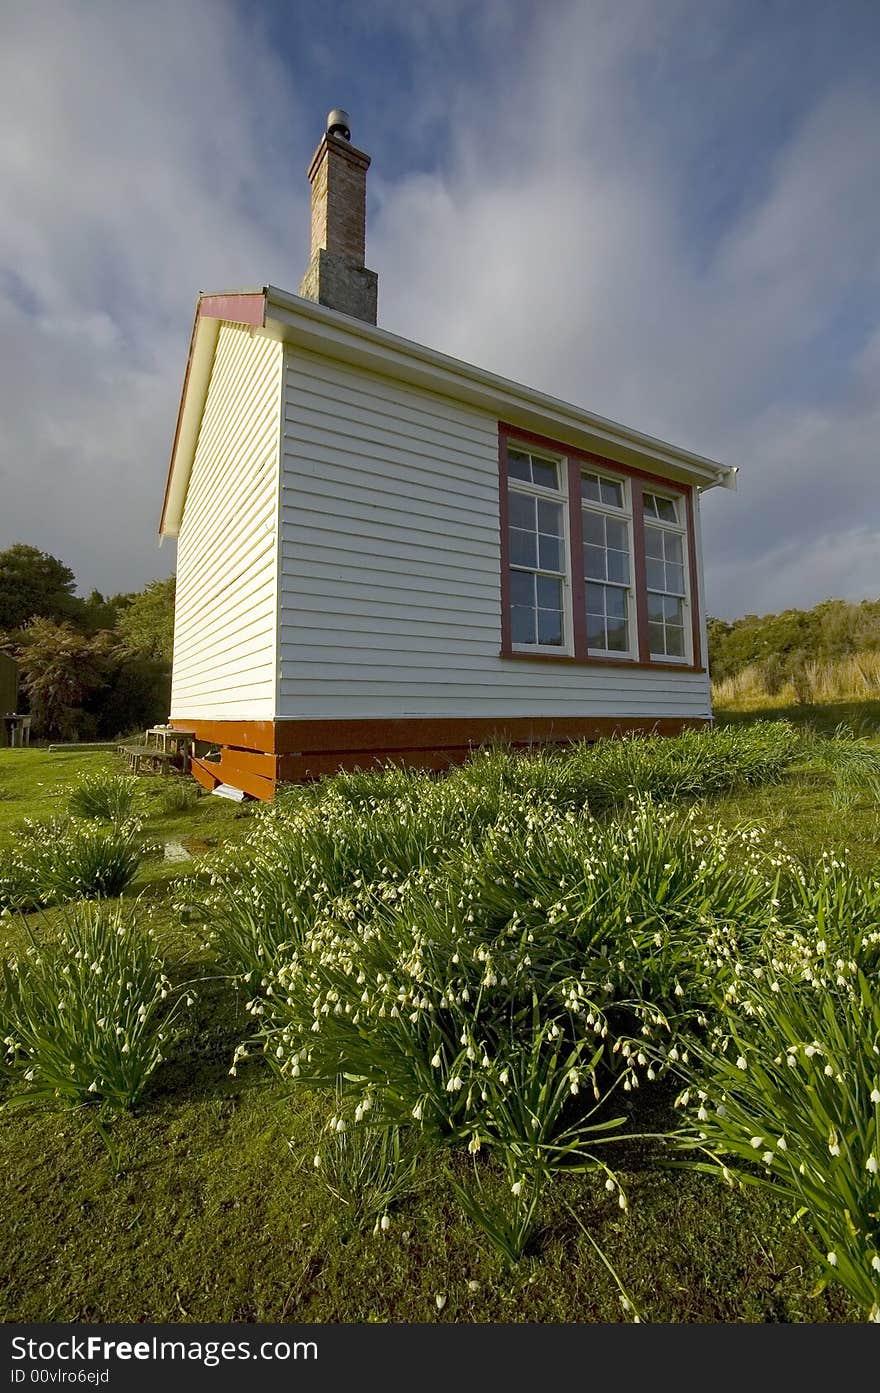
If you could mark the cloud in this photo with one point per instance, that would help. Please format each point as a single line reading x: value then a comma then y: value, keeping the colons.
x: 653, y: 211
x: 133, y: 155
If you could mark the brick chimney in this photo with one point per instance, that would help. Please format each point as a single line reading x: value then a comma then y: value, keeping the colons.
x: 337, y: 276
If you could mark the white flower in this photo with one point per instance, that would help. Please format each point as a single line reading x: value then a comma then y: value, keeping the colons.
x: 702, y: 1113
x: 317, y: 1161
x: 875, y: 1095
x: 767, y: 1158
x: 875, y: 1262
x: 610, y: 1185
x: 742, y: 1062
x: 756, y: 1142
x: 871, y: 1164
x: 435, y: 1062
x: 439, y: 1301
x: 782, y: 1144
x: 516, y: 1187
x: 832, y: 1259
x: 385, y: 1223
x: 473, y: 1286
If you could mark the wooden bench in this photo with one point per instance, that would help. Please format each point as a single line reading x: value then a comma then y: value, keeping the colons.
x: 144, y: 758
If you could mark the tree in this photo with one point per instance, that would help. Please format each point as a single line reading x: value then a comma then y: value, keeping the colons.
x: 146, y: 624
x: 61, y: 669
x: 34, y: 584
x: 101, y: 612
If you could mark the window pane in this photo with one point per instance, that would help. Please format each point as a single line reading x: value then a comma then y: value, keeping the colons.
x: 655, y: 639
x: 674, y: 641
x: 550, y: 518
x: 596, y: 599
x: 523, y: 551
x: 654, y: 542
x: 673, y: 547
x: 617, y: 640
x: 522, y: 625
x: 544, y: 473
x: 595, y: 631
x: 611, y: 493
x: 549, y: 592
x: 615, y: 533
x: 655, y: 609
x: 549, y: 626
x: 649, y: 504
x: 666, y: 509
x: 656, y: 574
x: 618, y: 567
x: 590, y: 488
x: 521, y: 510
x: 672, y: 609
x: 519, y: 465
x: 522, y: 588
x: 675, y: 579
x: 549, y: 553
x: 615, y: 602
x: 594, y: 528
x: 594, y: 563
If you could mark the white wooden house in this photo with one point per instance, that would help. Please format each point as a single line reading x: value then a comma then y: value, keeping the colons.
x: 384, y: 552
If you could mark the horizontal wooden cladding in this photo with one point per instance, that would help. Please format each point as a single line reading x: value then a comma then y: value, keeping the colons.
x: 408, y: 735
x: 301, y: 768
x: 205, y: 773
x: 209, y: 773
x: 242, y: 735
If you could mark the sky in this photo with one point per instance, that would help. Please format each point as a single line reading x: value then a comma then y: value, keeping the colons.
x: 665, y: 211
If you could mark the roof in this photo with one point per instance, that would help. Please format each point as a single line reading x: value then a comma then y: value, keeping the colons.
x: 291, y: 319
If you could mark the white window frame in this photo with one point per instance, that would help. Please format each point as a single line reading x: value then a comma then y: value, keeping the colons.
x: 560, y: 496
x: 679, y: 527
x: 625, y: 515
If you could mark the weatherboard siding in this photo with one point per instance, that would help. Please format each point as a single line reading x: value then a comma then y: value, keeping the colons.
x: 390, y: 585
x: 225, y: 629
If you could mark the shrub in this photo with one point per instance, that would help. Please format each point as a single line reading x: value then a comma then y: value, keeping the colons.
x: 106, y: 796
x: 83, y: 1017
x: 63, y: 859
x: 367, y: 1169
x: 179, y: 796
x: 787, y: 1093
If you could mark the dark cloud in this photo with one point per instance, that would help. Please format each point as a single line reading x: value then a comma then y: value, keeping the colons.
x: 592, y: 225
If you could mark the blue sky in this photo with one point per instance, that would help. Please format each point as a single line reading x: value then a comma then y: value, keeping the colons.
x: 664, y: 210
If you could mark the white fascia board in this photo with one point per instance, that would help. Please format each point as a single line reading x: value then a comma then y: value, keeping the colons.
x: 311, y: 326
x: 205, y: 335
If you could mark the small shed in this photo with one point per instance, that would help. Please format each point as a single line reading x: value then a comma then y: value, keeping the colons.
x: 386, y: 553
x: 8, y: 693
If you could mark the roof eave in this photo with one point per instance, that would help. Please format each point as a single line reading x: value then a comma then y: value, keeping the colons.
x: 339, y: 335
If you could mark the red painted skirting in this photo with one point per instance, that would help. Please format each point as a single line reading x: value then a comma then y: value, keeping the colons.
x: 257, y: 755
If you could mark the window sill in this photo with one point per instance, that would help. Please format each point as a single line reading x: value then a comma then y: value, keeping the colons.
x: 600, y: 662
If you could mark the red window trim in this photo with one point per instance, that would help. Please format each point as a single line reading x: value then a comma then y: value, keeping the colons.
x: 576, y: 459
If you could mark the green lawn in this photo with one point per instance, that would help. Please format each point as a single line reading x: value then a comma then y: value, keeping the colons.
x: 217, y: 1213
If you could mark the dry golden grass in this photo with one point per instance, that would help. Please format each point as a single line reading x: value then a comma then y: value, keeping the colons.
x: 841, y: 679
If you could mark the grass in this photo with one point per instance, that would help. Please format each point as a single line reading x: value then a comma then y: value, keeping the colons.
x: 209, y: 1208
x: 855, y: 678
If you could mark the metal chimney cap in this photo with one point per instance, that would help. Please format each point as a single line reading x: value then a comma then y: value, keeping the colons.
x: 337, y: 123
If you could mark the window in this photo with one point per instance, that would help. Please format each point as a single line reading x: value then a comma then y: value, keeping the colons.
x: 538, y: 547
x: 665, y: 576
x: 607, y: 564
x: 597, y: 560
